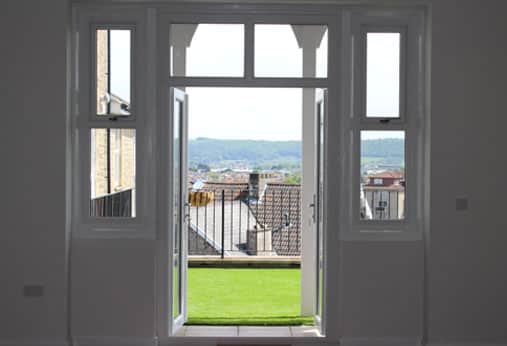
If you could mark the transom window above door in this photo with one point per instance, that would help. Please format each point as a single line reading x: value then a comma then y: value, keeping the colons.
x: 227, y: 50
x: 207, y: 50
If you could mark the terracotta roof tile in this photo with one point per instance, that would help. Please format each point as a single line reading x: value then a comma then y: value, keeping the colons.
x: 280, y: 210
x: 383, y: 188
x: 387, y: 174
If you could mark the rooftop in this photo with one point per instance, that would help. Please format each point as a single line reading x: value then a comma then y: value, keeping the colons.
x: 387, y: 174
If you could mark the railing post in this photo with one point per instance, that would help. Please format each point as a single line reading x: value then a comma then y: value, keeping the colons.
x: 223, y: 223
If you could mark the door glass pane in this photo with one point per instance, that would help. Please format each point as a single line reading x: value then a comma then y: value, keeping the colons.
x: 320, y: 200
x: 113, y: 173
x: 177, y: 208
x: 207, y: 50
x: 279, y: 50
x: 383, y: 75
x: 382, y: 175
x: 113, y: 67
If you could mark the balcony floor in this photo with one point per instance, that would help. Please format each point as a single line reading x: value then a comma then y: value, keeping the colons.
x: 248, y: 331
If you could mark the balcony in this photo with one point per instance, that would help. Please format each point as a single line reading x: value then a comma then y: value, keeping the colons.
x: 118, y: 204
x: 236, y: 220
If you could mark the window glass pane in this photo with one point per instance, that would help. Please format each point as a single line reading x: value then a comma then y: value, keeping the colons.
x: 113, y: 72
x: 207, y: 50
x: 113, y: 173
x: 177, y: 224
x: 279, y: 53
x: 383, y: 75
x: 382, y: 175
x: 322, y: 57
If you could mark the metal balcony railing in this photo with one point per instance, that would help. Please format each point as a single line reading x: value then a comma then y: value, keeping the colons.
x: 382, y: 204
x: 237, y: 222
x: 118, y: 204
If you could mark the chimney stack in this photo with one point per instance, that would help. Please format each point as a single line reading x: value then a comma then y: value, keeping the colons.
x: 257, y: 184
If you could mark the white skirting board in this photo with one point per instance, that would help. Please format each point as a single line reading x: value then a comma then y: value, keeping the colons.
x: 466, y: 343
x: 198, y: 341
x: 82, y: 341
x: 395, y: 341
x: 34, y: 342
x: 247, y: 341
x: 113, y: 341
x: 373, y: 341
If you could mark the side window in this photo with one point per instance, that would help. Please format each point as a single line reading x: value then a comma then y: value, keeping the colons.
x: 111, y: 162
x: 383, y: 67
x: 113, y: 49
x: 386, y: 135
x: 382, y: 151
x: 113, y: 172
x: 113, y: 149
x: 382, y: 175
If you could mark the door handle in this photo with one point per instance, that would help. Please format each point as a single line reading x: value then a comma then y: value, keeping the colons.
x: 313, y: 205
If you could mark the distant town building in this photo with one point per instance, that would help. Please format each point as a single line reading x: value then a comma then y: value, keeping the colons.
x: 384, y: 195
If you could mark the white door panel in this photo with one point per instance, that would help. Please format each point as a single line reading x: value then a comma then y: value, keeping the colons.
x: 320, y: 114
x: 179, y: 206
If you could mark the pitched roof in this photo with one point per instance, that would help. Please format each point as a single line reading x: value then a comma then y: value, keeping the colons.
x: 387, y: 174
x: 280, y: 210
x: 232, y: 191
x: 394, y: 187
x: 206, y: 221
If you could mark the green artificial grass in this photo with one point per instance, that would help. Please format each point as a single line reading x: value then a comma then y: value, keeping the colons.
x: 218, y: 296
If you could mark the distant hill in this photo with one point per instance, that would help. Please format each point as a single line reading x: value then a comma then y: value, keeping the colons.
x: 389, y: 147
x: 283, y: 154
x: 246, y: 153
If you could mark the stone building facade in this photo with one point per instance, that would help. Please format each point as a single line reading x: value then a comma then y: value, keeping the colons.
x: 122, y: 158
x: 120, y: 174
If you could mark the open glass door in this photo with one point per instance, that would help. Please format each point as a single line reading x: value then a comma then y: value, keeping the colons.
x: 179, y: 207
x: 320, y: 112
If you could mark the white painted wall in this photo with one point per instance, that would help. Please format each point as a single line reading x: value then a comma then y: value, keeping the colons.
x: 381, y: 293
x: 32, y: 170
x: 468, y: 257
x: 113, y: 288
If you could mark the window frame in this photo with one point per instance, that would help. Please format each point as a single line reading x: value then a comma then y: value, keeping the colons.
x: 100, y: 25
x: 378, y: 181
x: 86, y: 22
x: 187, y: 20
x: 362, y: 49
x: 410, y: 24
x: 302, y: 15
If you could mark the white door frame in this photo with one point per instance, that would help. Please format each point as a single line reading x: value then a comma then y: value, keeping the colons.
x: 248, y: 16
